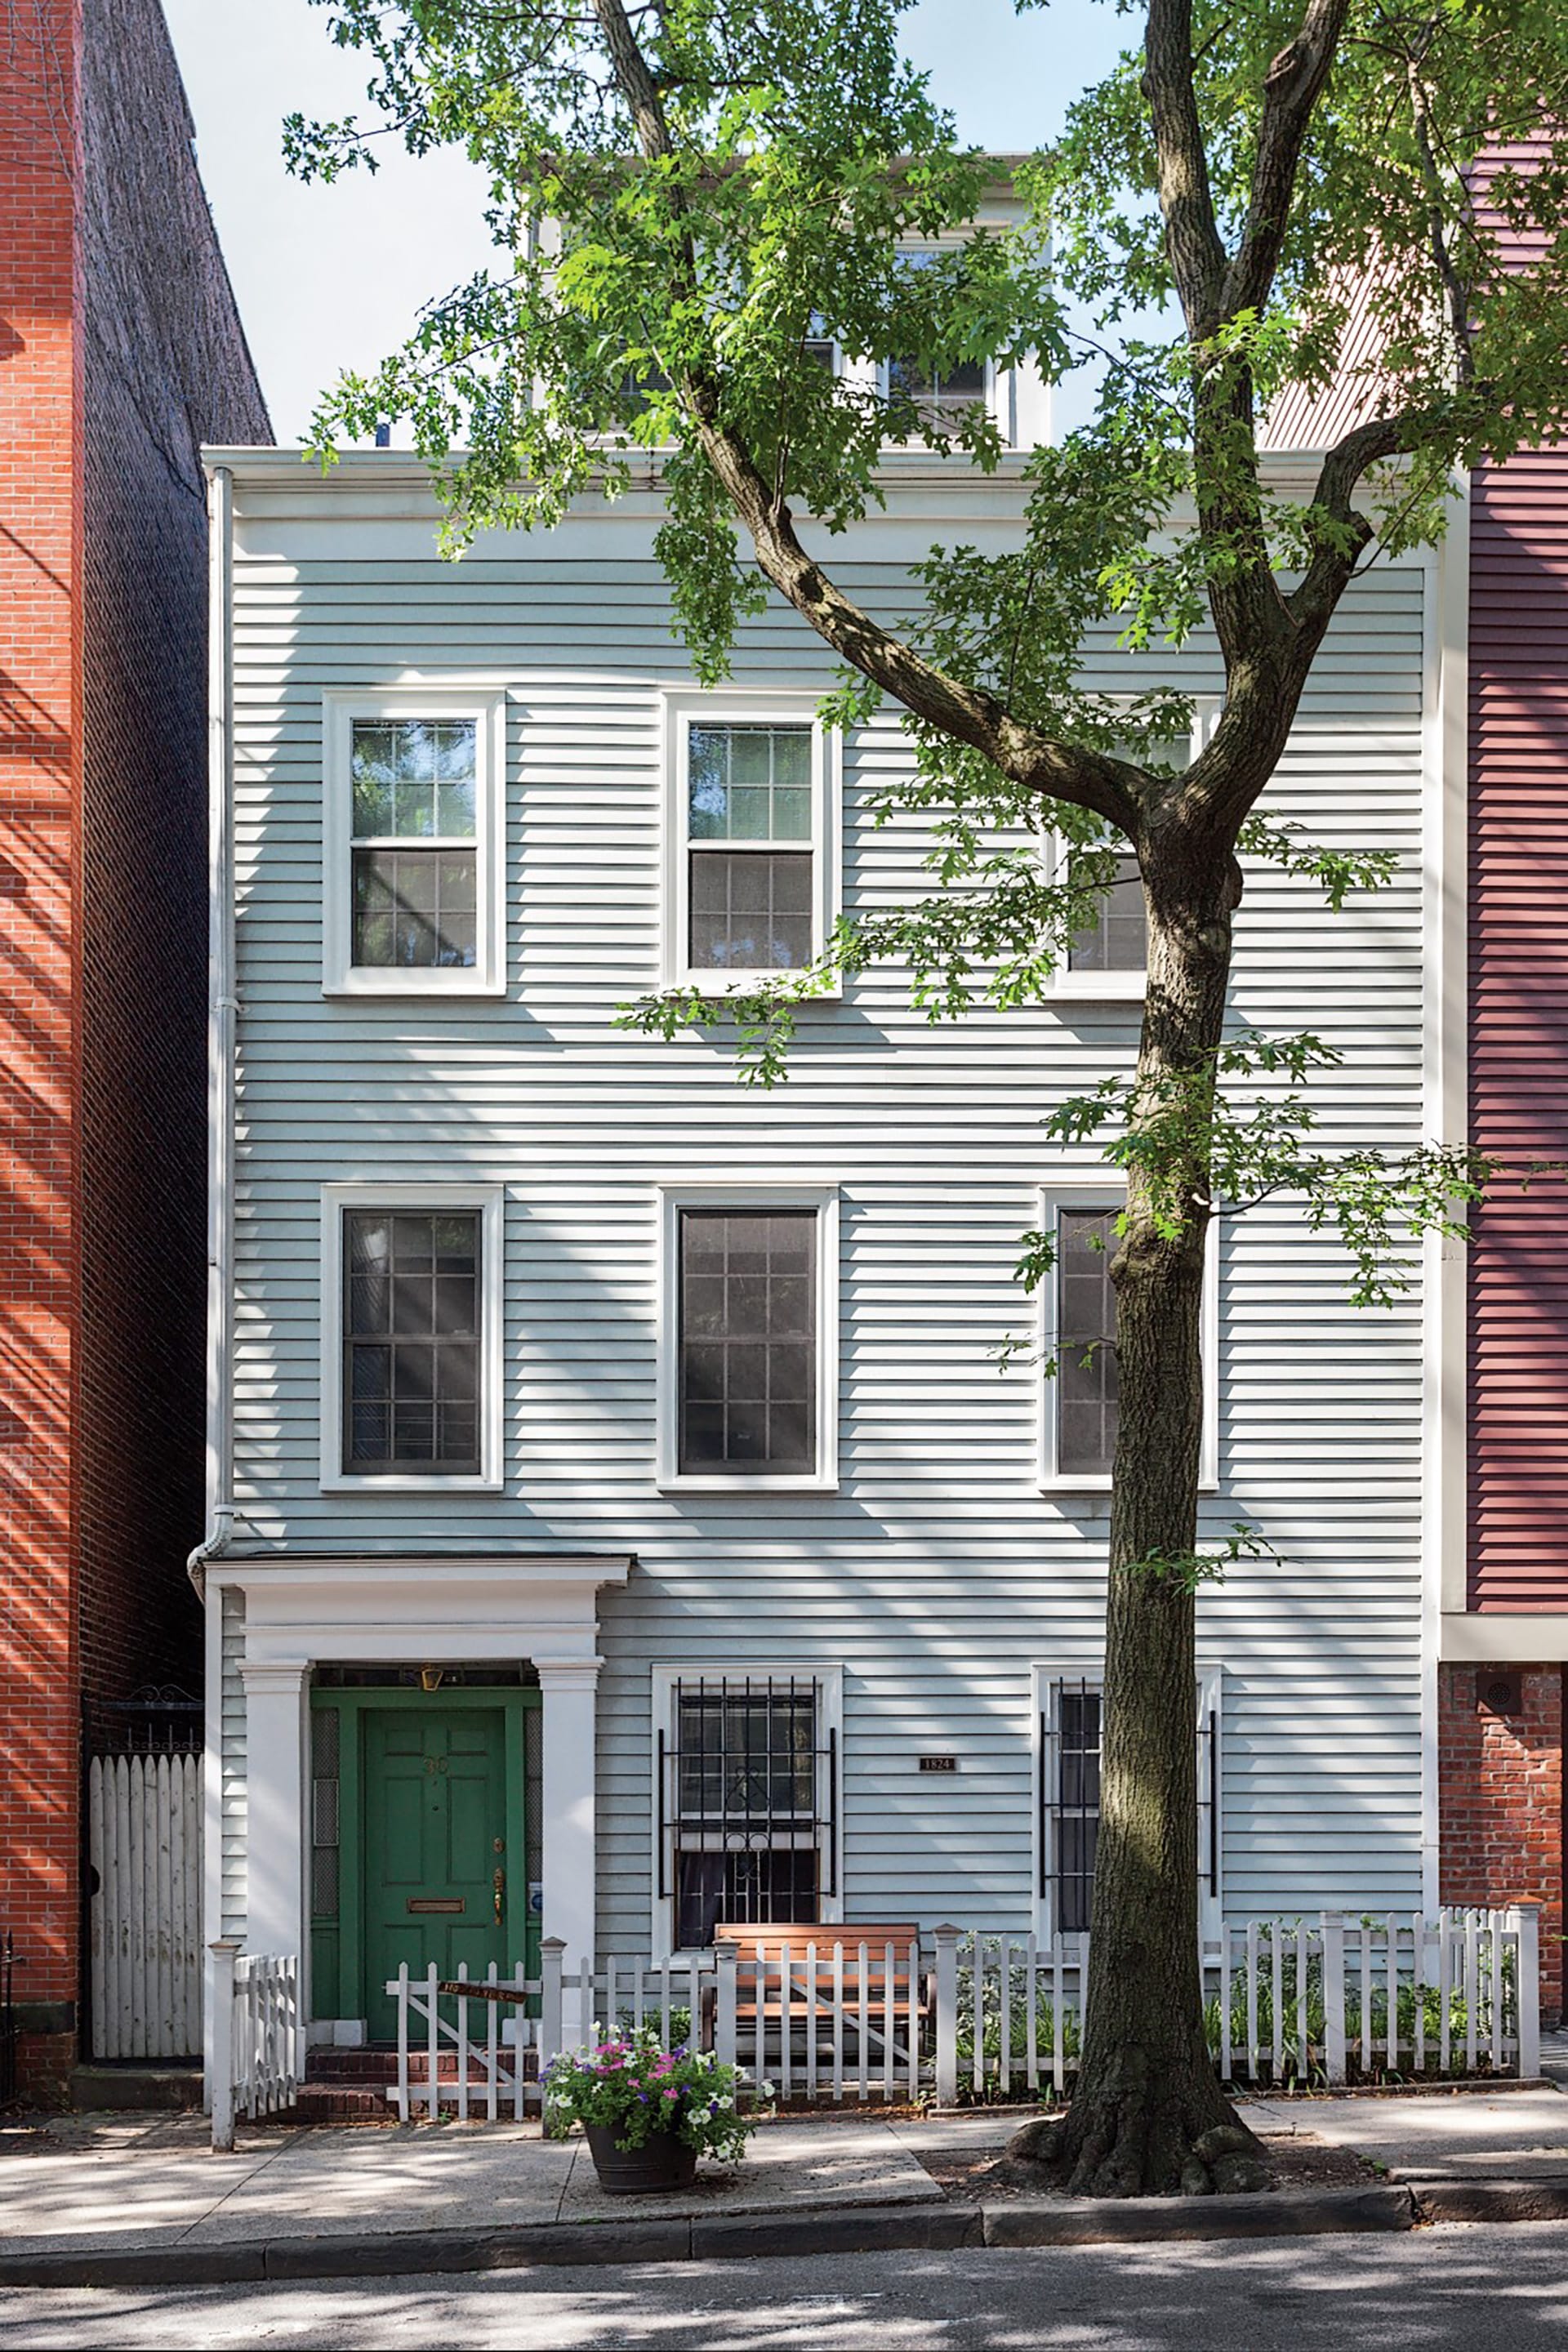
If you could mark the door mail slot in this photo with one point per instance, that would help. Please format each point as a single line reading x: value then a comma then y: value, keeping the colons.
x: 437, y: 1903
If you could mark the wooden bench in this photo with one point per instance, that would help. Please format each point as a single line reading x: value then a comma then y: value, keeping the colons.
x: 891, y: 2002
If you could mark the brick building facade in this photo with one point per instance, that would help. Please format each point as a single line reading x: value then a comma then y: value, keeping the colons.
x: 121, y: 352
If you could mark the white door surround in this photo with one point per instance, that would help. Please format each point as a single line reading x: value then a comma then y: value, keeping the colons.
x: 538, y: 1607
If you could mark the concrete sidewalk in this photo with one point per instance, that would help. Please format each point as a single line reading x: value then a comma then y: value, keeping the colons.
x: 101, y: 2199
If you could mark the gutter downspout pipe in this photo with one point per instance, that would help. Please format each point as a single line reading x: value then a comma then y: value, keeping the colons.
x: 222, y: 1009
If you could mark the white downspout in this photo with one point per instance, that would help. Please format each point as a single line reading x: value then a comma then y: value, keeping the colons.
x: 222, y: 1007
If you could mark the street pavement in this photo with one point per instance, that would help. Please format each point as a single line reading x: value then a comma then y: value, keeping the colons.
x: 1463, y: 2290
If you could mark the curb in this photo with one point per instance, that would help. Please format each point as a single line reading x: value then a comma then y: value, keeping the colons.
x: 1125, y: 2220
x: 820, y: 2229
x: 1491, y: 2200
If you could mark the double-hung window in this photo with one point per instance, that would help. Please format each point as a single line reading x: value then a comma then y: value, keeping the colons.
x: 412, y: 846
x: 749, y: 1355
x: 411, y: 1355
x: 747, y: 1775
x: 751, y: 869
x: 1080, y: 1388
x: 1069, y: 1728
x: 1107, y: 958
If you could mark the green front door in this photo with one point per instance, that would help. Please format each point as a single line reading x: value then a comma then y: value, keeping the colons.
x: 438, y: 1875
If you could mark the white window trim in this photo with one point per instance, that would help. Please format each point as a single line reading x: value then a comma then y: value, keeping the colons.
x: 1210, y: 1702
x: 829, y: 1681
x: 340, y: 706
x: 488, y: 1200
x: 823, y: 1200
x: 785, y: 706
x: 1118, y: 987
x: 1088, y: 1192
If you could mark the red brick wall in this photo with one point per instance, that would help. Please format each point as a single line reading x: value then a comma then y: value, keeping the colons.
x: 1501, y: 1802
x: 120, y: 353
x: 39, y: 760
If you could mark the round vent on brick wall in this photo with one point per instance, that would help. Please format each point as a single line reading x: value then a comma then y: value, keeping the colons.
x: 1501, y: 1694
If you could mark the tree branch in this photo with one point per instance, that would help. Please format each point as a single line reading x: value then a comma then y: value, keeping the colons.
x: 1291, y: 87
x: 1192, y: 242
x: 1039, y: 764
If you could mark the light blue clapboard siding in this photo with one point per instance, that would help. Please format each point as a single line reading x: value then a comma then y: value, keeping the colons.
x: 234, y: 1811
x: 937, y: 1572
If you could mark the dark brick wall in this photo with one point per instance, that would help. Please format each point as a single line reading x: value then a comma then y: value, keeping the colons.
x: 163, y: 368
x: 120, y: 353
x: 1500, y: 1782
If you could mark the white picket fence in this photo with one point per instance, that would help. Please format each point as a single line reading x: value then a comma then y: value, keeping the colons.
x: 1303, y: 2001
x: 256, y: 2038
x: 144, y: 1915
x: 1309, y: 2000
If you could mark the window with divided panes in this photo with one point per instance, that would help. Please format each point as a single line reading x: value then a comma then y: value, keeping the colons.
x: 751, y: 860
x: 1082, y: 1395
x: 412, y: 1306
x: 747, y: 1342
x: 415, y: 854
x: 748, y: 1798
x: 1118, y: 938
x: 1071, y: 1731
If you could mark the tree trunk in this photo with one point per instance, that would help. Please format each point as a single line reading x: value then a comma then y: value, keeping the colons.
x: 1147, y: 2089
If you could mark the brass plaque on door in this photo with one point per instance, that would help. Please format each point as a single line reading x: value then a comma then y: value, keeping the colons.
x: 437, y: 1903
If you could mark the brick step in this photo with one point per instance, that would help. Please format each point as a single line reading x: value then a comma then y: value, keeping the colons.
x: 339, y: 2103
x: 372, y: 2064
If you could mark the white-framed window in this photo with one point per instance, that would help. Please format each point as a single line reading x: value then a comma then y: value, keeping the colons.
x: 1077, y: 1335
x: 1106, y: 961
x: 1069, y: 1721
x: 748, y: 1358
x: 747, y: 1781
x: 414, y: 842
x: 753, y: 851
x: 412, y: 1292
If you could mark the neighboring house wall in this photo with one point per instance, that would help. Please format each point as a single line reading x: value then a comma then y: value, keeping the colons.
x: 1507, y: 1607
x: 120, y: 352
x: 937, y: 1572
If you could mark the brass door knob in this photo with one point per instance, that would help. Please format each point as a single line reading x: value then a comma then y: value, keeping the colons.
x: 499, y: 1885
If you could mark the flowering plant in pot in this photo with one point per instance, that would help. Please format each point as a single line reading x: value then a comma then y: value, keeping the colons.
x: 648, y: 2113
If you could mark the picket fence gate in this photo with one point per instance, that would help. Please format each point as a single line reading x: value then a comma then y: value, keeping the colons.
x: 1288, y: 2001
x: 144, y: 1913
x: 257, y: 2037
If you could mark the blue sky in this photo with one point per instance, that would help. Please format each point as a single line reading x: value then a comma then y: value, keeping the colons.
x: 331, y: 277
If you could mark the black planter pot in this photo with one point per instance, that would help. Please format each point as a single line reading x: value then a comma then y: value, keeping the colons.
x: 662, y: 2162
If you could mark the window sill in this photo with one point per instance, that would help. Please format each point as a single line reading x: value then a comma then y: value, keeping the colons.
x: 1099, y: 987
x: 437, y: 1486
x: 717, y: 986
x: 763, y: 1485
x: 1089, y: 1484
x: 436, y: 986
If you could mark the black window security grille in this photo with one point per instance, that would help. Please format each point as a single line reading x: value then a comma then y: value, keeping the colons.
x: 748, y: 1783
x: 411, y: 1340
x: 748, y: 1343
x: 1071, y: 1729
x: 750, y: 858
x: 415, y: 857
x: 1084, y: 1391
x: 1118, y: 938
